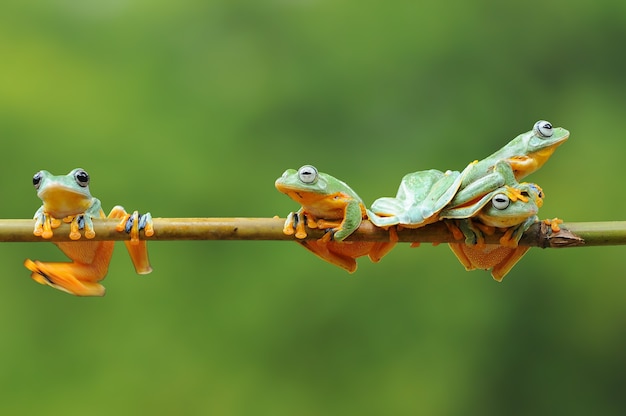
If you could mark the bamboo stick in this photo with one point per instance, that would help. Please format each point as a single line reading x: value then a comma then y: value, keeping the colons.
x: 539, y: 235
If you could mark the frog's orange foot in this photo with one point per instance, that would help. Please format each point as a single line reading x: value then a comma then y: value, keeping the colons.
x: 124, y: 217
x: 137, y: 222
x: 44, y: 224
x: 75, y: 225
x: 295, y: 224
x: 146, y: 224
x: 454, y: 229
x: 554, y: 224
x: 328, y: 236
x: 45, y: 274
x: 507, y: 240
x: 133, y: 223
x: 515, y: 194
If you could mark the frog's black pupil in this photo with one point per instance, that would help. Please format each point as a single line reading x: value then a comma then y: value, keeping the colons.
x: 82, y: 178
x: 36, y: 179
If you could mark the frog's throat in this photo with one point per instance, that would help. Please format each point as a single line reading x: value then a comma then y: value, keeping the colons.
x: 63, y: 202
x: 528, y: 164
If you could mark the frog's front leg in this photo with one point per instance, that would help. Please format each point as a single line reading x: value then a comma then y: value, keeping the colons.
x: 512, y: 235
x: 84, y: 221
x: 353, y: 215
x: 44, y: 224
x: 132, y: 224
x: 473, y: 233
x: 295, y: 224
x: 501, y: 174
x: 80, y: 222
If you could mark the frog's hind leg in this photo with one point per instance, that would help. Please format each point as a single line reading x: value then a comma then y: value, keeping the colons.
x: 65, y: 276
x: 320, y: 249
x: 380, y: 249
x: 137, y: 249
x: 503, y: 267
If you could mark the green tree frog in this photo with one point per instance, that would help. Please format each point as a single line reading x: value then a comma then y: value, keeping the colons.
x: 422, y: 195
x: 510, y: 208
x: 525, y: 154
x: 330, y: 204
x: 67, y: 198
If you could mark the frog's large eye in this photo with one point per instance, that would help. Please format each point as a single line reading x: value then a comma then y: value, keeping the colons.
x: 307, y: 174
x: 500, y: 201
x: 543, y: 128
x: 37, y: 179
x: 82, y: 178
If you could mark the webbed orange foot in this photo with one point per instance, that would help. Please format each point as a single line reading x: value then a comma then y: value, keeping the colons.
x: 554, y: 224
x: 454, y: 229
x: 288, y: 226
x: 515, y: 194
x: 295, y: 224
x: 508, y: 239
x: 61, y: 276
x: 44, y: 224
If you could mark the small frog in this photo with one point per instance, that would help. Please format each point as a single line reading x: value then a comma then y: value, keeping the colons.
x: 422, y: 195
x: 330, y: 204
x: 67, y: 198
x: 511, y: 208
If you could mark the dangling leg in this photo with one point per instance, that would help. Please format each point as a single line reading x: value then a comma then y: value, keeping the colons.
x: 132, y: 224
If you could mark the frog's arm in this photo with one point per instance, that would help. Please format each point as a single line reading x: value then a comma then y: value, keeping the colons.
x: 512, y: 235
x: 501, y: 174
x: 295, y: 224
x: 44, y: 224
x: 353, y: 215
x: 474, y: 232
x: 85, y: 222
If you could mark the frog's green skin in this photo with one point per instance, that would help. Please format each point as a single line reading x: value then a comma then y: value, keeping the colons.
x: 67, y: 198
x: 329, y: 204
x: 511, y: 208
x: 423, y: 194
x: 420, y: 197
x: 525, y: 154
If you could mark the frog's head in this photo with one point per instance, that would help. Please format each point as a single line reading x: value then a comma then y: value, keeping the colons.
x: 529, y: 151
x: 504, y: 211
x: 305, y: 182
x: 63, y: 195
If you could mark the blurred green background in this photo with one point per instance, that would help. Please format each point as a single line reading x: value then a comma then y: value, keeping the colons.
x: 194, y: 108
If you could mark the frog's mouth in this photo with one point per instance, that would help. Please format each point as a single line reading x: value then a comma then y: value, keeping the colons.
x: 299, y: 195
x: 61, y: 202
